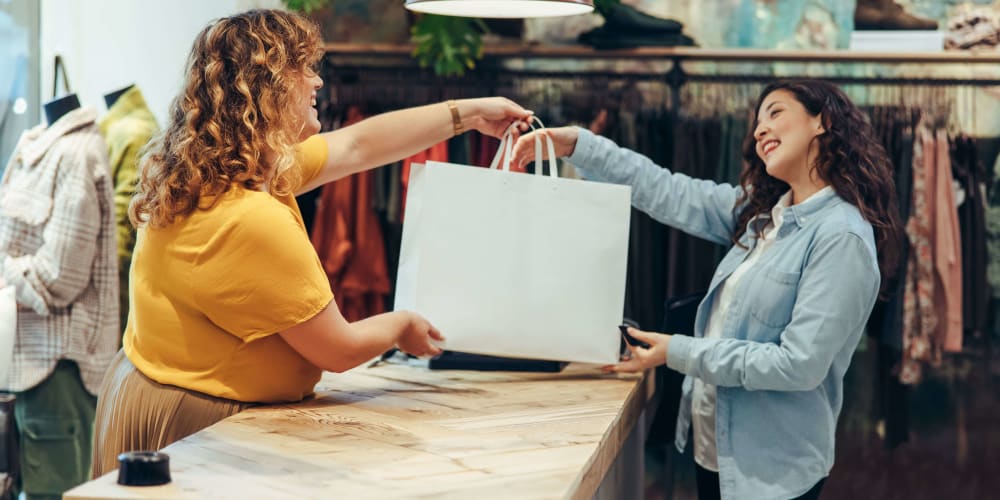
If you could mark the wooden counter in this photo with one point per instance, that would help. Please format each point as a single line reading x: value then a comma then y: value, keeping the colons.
x: 395, y: 431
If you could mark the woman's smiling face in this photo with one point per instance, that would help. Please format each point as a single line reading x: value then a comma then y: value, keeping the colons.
x: 784, y: 136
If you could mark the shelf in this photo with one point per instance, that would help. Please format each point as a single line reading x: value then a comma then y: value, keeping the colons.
x: 686, y: 54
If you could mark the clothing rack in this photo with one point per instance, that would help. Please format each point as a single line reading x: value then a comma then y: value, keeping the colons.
x: 363, y: 66
x: 683, y: 54
x: 352, y: 58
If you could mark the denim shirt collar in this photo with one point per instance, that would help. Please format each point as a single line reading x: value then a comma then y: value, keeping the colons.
x: 802, y: 213
x: 799, y: 214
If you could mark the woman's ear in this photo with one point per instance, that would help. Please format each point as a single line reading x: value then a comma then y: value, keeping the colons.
x: 820, y: 124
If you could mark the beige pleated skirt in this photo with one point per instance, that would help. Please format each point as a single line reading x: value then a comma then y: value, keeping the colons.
x: 134, y: 413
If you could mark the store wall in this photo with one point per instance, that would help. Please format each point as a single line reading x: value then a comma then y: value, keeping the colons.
x: 108, y: 44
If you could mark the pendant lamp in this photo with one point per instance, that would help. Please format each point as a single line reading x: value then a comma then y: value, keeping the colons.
x: 502, y: 8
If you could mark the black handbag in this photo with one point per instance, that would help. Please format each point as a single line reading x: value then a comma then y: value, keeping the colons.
x: 9, y: 458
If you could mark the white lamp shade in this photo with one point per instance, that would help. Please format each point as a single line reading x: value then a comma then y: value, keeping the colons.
x: 502, y: 8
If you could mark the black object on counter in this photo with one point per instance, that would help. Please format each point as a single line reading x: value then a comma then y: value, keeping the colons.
x: 450, y: 360
x: 143, y: 468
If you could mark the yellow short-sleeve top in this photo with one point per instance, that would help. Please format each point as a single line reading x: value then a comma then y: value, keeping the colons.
x: 210, y: 291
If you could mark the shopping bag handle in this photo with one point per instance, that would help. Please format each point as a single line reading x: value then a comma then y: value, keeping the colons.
x: 507, y: 147
x: 551, y: 149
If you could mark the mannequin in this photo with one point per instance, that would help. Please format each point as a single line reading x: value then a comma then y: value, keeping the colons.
x: 56, y: 108
x: 112, y: 97
x: 68, y: 347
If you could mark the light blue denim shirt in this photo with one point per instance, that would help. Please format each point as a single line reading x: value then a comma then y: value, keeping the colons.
x: 789, y: 334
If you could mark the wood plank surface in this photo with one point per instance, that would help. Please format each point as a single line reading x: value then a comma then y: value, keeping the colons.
x: 395, y: 431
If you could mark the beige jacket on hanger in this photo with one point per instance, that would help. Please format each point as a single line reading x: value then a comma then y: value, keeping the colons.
x: 57, y: 247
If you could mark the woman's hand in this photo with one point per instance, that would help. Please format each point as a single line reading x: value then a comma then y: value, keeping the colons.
x: 563, y: 140
x: 492, y: 116
x: 637, y: 358
x: 416, y: 339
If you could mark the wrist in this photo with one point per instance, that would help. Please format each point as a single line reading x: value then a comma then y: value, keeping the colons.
x: 468, y: 112
x: 413, y: 323
x: 460, y: 113
x: 407, y: 318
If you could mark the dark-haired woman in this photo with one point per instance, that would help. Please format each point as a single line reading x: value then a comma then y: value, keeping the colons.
x: 814, y: 232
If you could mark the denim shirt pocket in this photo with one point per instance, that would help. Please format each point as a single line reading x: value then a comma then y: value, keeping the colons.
x: 773, y: 298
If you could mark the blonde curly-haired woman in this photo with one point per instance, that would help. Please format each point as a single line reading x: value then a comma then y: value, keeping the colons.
x: 229, y: 303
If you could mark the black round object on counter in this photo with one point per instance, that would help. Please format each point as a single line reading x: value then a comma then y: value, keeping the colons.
x: 143, y: 468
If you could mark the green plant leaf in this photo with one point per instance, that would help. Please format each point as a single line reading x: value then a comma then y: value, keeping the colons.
x: 448, y: 44
x: 305, y: 6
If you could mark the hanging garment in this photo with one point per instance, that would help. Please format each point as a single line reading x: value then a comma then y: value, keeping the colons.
x: 460, y: 149
x: 933, y: 302
x: 482, y: 148
x: 947, y: 249
x: 919, y: 317
x: 127, y: 127
x: 692, y: 260
x: 993, y: 234
x: 348, y: 238
x: 392, y: 225
x: 57, y: 247
x: 970, y: 174
x: 648, y: 276
x: 8, y: 335
x: 903, y: 162
x: 895, y: 128
x: 437, y: 152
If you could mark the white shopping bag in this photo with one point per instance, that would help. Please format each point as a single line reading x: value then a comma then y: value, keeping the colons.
x: 516, y: 265
x: 8, y: 332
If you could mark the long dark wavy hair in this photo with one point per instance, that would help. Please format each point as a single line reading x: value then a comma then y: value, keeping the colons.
x: 850, y: 159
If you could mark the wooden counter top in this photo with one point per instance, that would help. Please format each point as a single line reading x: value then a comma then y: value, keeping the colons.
x: 397, y: 431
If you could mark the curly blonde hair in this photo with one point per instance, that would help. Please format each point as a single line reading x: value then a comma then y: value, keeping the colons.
x: 229, y: 125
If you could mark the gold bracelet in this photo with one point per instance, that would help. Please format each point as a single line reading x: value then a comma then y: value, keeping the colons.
x: 456, y: 119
